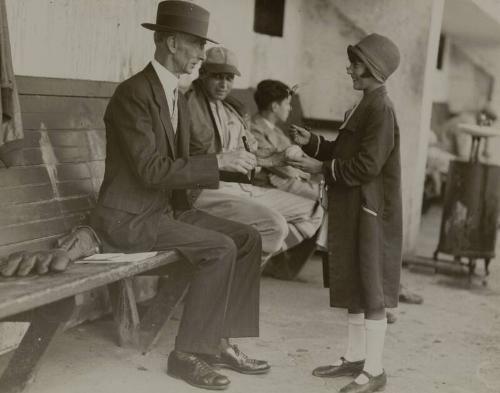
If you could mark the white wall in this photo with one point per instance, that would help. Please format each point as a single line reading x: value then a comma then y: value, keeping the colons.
x: 457, y: 82
x: 487, y: 57
x: 326, y: 89
x: 260, y: 56
x: 89, y: 39
x: 490, y: 7
x: 103, y: 39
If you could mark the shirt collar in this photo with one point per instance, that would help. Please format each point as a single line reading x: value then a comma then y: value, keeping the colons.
x: 268, y: 123
x: 168, y: 80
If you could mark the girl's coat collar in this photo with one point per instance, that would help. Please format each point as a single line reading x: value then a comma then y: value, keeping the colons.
x: 353, y: 122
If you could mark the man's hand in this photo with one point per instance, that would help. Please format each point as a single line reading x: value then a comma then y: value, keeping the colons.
x: 299, y: 135
x: 307, y: 164
x: 237, y: 161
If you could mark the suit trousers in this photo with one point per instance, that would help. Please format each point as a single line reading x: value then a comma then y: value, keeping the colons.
x: 223, y: 298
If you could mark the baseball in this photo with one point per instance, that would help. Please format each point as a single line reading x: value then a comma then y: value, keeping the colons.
x: 293, y: 152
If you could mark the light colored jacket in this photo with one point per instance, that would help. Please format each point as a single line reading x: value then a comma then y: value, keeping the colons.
x: 206, y: 138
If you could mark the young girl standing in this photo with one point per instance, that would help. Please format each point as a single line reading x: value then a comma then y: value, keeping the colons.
x: 363, y: 173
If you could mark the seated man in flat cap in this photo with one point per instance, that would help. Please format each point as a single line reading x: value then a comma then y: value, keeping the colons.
x: 143, y: 203
x: 217, y: 125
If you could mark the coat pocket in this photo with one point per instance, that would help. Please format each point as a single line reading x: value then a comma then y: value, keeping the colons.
x: 372, y: 198
x: 369, y: 211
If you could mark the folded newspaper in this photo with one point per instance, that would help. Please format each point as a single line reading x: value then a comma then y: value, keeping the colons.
x: 118, y: 257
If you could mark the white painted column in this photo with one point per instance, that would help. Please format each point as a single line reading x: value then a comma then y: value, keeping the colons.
x: 417, y: 185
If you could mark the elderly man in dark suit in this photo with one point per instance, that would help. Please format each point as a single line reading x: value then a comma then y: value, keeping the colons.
x: 143, y: 203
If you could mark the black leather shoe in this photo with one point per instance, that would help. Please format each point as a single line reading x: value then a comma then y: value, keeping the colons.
x: 346, y: 368
x: 195, y: 371
x: 374, y: 384
x: 236, y: 360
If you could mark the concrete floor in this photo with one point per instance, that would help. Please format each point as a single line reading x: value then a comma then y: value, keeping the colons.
x: 449, y: 344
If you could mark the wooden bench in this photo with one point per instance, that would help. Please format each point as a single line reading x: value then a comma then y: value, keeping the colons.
x: 45, y: 197
x: 48, y: 303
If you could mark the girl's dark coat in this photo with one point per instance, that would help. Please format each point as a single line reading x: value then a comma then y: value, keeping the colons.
x: 364, y: 205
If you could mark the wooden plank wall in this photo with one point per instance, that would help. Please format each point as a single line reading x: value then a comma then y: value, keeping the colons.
x: 54, y: 189
x: 64, y: 149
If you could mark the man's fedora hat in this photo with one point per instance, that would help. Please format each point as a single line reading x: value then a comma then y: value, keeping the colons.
x: 181, y: 16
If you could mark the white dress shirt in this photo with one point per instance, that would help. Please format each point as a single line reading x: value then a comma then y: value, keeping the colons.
x: 169, y: 82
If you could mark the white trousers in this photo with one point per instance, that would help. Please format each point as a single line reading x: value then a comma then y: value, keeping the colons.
x: 282, y: 218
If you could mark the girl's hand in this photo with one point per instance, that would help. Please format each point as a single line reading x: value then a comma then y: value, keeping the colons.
x: 299, y: 135
x: 307, y: 164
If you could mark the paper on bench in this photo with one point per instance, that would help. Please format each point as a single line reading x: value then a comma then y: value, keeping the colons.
x: 118, y: 257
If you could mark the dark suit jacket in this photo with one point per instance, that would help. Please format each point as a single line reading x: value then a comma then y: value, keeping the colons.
x: 148, y: 167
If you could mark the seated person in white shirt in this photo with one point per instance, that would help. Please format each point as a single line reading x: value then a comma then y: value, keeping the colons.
x: 283, y: 219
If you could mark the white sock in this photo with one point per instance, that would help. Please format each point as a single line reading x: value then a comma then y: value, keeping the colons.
x: 375, y: 335
x: 355, y: 338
